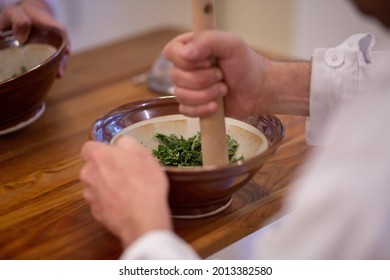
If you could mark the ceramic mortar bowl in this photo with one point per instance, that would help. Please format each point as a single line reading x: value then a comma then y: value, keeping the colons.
x: 195, y: 192
x: 27, y: 72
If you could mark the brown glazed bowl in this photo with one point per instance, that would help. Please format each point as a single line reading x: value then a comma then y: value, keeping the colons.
x: 22, y: 97
x: 195, y: 192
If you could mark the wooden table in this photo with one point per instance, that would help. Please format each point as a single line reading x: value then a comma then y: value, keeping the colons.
x: 42, y: 212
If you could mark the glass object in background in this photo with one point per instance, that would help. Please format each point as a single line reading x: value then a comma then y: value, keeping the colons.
x: 158, y: 78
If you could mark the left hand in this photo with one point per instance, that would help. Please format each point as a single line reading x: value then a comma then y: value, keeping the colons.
x: 22, y: 16
x: 126, y: 188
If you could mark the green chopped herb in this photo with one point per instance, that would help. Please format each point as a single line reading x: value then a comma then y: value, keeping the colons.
x: 23, y: 69
x: 178, y: 151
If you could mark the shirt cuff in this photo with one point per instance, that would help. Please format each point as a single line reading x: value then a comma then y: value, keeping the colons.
x: 159, y: 245
x: 338, y: 76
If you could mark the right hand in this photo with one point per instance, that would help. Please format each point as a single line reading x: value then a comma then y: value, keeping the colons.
x: 198, y: 83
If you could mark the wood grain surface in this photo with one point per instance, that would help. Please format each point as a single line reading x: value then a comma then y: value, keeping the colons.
x: 42, y: 212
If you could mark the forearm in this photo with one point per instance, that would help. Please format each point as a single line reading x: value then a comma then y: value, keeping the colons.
x: 286, y: 88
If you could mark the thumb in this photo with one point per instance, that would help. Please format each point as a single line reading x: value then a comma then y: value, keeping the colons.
x: 18, y: 20
x: 127, y: 143
x: 21, y: 32
x: 212, y: 43
x: 131, y: 146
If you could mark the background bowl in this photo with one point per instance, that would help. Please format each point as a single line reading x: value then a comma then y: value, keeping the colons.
x: 196, y: 191
x: 22, y: 97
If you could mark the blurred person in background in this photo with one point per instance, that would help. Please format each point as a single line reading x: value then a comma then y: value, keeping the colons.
x: 20, y: 16
x: 340, y: 206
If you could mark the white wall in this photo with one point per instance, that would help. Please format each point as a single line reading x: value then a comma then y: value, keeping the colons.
x: 263, y: 24
x: 286, y: 27
x: 96, y: 22
x: 320, y: 23
x: 296, y: 27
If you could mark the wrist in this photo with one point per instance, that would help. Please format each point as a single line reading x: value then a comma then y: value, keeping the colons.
x: 153, y: 221
x: 286, y: 88
x: 128, y: 237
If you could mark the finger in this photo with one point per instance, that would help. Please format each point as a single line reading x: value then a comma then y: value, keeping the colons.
x: 177, y: 52
x: 5, y: 22
x: 199, y: 111
x: 185, y: 37
x: 96, y: 212
x: 198, y: 97
x: 88, y: 195
x: 196, y: 79
x: 85, y: 175
x: 170, y: 48
x: 126, y: 143
x: 5, y: 18
x: 64, y: 60
x: 102, y: 160
x: 62, y: 66
x: 215, y: 43
x: 133, y: 147
x: 206, y: 44
x: 22, y: 30
x: 93, y: 151
x: 19, y: 21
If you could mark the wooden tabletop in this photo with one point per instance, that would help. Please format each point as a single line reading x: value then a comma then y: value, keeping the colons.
x: 42, y: 212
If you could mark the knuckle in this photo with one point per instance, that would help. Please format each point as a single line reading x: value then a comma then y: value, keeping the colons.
x: 96, y: 155
x: 84, y: 175
x: 175, y: 75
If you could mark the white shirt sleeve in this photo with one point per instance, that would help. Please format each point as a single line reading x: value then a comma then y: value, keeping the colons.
x: 341, y: 205
x: 159, y: 245
x: 339, y: 75
x: 340, y: 208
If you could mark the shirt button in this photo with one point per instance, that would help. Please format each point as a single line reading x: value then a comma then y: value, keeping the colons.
x: 334, y: 58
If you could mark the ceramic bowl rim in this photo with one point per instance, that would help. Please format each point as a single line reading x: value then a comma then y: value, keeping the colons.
x: 231, y: 168
x: 58, y: 53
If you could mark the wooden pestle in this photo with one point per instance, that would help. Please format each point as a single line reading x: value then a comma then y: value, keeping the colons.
x: 212, y: 128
